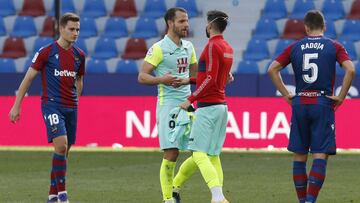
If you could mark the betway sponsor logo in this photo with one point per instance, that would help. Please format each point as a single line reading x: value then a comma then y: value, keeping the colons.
x: 64, y: 73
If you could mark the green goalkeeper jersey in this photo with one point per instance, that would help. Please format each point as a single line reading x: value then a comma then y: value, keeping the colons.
x: 167, y: 57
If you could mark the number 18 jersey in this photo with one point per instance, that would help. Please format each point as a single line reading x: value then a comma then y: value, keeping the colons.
x: 313, y: 59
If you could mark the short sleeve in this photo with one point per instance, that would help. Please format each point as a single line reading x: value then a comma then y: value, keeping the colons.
x: 154, y: 55
x: 341, y: 53
x: 193, y: 56
x: 39, y: 59
x: 284, y: 57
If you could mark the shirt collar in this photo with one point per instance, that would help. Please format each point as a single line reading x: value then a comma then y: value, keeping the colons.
x: 172, y: 43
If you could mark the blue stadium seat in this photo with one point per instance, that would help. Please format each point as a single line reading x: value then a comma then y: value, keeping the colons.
x: 281, y: 45
x: 115, y: 27
x: 190, y: 6
x: 127, y: 66
x: 333, y: 9
x: 27, y: 64
x: 350, y: 48
x: 94, y: 8
x: 88, y: 27
x: 248, y: 67
x: 80, y: 42
x: 266, y: 28
x: 24, y: 27
x: 40, y: 42
x: 105, y: 48
x: 351, y: 30
x: 96, y: 66
x: 275, y: 9
x: 7, y: 65
x: 145, y: 28
x: 154, y: 8
x: 2, y: 27
x: 301, y: 7
x: 330, y: 29
x: 66, y: 6
x: 7, y: 8
x: 256, y: 49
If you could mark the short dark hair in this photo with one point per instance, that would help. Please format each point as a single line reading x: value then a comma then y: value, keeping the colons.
x: 171, y: 13
x: 68, y: 17
x: 219, y: 18
x: 314, y: 20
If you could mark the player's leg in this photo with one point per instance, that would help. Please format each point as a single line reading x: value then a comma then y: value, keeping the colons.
x: 167, y: 173
x: 201, y: 137
x: 300, y: 177
x: 316, y: 176
x: 60, y: 165
x: 322, y: 145
x: 216, y: 162
x: 55, y: 127
x: 186, y: 170
x: 299, y: 144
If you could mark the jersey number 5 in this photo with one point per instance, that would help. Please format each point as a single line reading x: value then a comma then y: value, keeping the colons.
x: 307, y: 65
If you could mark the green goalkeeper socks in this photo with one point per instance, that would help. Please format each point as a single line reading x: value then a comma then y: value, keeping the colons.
x: 166, y: 178
x: 186, y: 170
x: 207, y: 170
x: 215, y: 160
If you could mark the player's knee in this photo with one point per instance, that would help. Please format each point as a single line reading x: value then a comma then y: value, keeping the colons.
x: 171, y: 154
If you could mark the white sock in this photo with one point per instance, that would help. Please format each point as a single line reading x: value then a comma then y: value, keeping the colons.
x: 177, y: 190
x: 52, y: 196
x: 217, y: 194
x: 169, y: 201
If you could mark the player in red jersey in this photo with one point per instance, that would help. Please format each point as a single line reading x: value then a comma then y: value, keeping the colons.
x: 62, y: 67
x: 208, y: 131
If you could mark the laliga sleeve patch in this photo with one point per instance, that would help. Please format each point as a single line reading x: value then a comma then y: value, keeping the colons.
x: 150, y: 52
x: 35, y: 57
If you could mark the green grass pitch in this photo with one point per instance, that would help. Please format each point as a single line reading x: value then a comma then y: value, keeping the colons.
x: 122, y: 177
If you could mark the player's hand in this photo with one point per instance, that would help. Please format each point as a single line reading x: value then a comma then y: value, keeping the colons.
x: 230, y: 78
x: 288, y: 98
x: 185, y: 105
x: 180, y: 82
x: 168, y: 79
x: 337, y: 101
x: 14, y: 114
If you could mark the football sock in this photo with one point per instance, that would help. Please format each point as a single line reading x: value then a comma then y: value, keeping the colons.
x: 316, y: 179
x: 217, y: 194
x: 207, y: 170
x: 300, y: 179
x: 166, y: 178
x: 59, y: 168
x: 53, y: 190
x: 186, y: 170
x: 215, y: 160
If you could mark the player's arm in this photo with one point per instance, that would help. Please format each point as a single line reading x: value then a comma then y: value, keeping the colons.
x: 274, y: 73
x: 14, y: 113
x: 153, y: 58
x: 145, y: 76
x: 79, y: 85
x: 348, y: 66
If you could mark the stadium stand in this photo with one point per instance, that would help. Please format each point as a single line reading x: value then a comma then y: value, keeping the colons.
x: 96, y: 66
x: 14, y: 47
x: 135, y: 24
x: 7, y: 65
x: 124, y: 8
x: 135, y: 48
x: 126, y: 66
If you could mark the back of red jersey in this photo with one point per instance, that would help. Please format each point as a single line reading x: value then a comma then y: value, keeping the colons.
x: 214, y: 67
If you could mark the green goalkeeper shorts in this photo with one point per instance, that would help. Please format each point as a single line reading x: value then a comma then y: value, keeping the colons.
x: 209, y: 129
